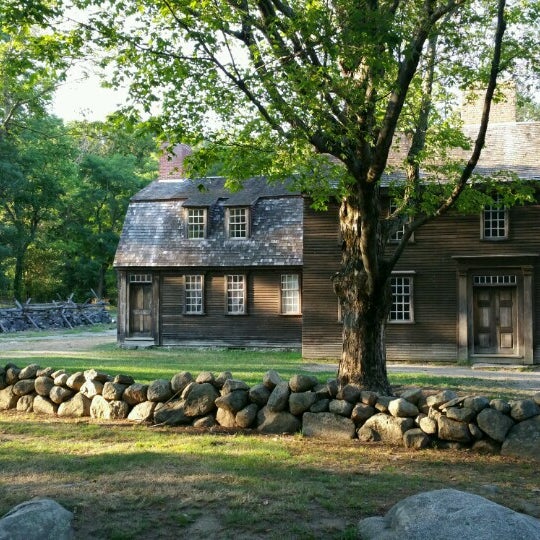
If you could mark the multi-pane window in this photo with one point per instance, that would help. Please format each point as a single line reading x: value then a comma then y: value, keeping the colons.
x: 194, y: 295
x: 196, y: 223
x: 238, y: 222
x: 236, y: 294
x: 290, y: 294
x: 402, y: 299
x: 495, y: 220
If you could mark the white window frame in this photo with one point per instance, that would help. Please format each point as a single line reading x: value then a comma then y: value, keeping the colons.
x: 236, y: 294
x: 238, y: 222
x: 194, y: 294
x: 402, y: 309
x: 196, y: 222
x: 290, y: 297
x: 494, y: 222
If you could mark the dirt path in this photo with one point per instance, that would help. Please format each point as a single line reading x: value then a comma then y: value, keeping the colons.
x: 15, y: 345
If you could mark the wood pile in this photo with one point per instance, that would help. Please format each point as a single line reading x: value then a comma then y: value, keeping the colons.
x: 64, y: 314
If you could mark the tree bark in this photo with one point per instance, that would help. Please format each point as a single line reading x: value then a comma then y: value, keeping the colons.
x: 363, y: 288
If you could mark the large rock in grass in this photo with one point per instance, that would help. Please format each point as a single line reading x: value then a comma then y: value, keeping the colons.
x: 385, y: 428
x: 494, y: 424
x: 523, y: 440
x: 199, y: 401
x: 328, y: 425
x: 38, y: 519
x: 172, y: 414
x: 78, y: 406
x: 8, y: 399
x: 108, y: 410
x: 142, y: 412
x: 448, y: 514
x: 277, y: 422
x: 43, y: 405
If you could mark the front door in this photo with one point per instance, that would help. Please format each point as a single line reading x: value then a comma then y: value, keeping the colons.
x: 140, y: 310
x: 495, y: 320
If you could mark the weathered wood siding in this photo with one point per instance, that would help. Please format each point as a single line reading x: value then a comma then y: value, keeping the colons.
x: 433, y: 334
x: 262, y: 326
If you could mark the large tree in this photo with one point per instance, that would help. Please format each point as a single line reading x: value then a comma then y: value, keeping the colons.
x: 277, y: 87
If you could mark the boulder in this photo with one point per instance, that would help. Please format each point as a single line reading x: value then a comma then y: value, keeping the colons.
x: 205, y: 377
x: 320, y: 406
x: 279, y: 398
x: 487, y: 446
x: 200, y: 400
x: 226, y: 418
x: 8, y: 399
x: 300, y: 402
x: 247, y: 416
x: 231, y: 385
x: 45, y: 372
x: 12, y: 374
x: 172, y: 414
x: 135, y: 393
x: 523, y: 440
x: 341, y: 407
x: 78, y: 406
x: 388, y: 428
x: 61, y: 379
x: 461, y: 414
x: 441, y: 398
x: 383, y: 403
x: 271, y: 379
x: 26, y: 403
x: 476, y: 403
x: 361, y: 412
x: 402, y: 408
x: 180, y: 381
x: 536, y: 398
x: 59, y: 394
x: 142, y: 412
x: 452, y: 430
x: 413, y: 395
x: 37, y: 519
x: 428, y: 425
x: 123, y: 379
x: 108, y: 410
x: 233, y: 401
x: 113, y: 391
x: 269, y: 421
x: 222, y: 378
x: 23, y: 387
x: 259, y: 394
x: 350, y: 393
x: 302, y: 383
x: 44, y: 405
x: 3, y: 381
x: 447, y: 514
x: 416, y: 439
x: 205, y: 422
x: 43, y: 385
x: 159, y: 390
x: 328, y: 426
x: 29, y: 372
x: 91, y: 388
x: 524, y: 409
x: 94, y: 375
x: 500, y: 405
x: 494, y: 424
x: 75, y: 381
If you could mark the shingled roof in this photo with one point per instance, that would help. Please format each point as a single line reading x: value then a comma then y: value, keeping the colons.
x: 155, y: 228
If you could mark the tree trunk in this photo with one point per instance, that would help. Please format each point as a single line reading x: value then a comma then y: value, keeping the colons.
x: 363, y: 289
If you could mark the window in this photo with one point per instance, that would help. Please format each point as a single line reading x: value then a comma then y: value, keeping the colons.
x: 290, y: 294
x: 397, y: 235
x: 402, y: 299
x: 140, y: 278
x: 495, y: 221
x: 194, y: 295
x: 236, y: 294
x: 196, y: 223
x: 238, y: 222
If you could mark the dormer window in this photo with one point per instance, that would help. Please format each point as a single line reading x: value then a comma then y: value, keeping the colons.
x: 495, y: 221
x: 196, y: 223
x: 238, y: 222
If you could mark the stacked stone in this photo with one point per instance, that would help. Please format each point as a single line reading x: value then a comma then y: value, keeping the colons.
x: 414, y: 419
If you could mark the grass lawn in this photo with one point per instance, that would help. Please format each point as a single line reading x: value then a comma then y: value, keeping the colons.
x: 127, y: 481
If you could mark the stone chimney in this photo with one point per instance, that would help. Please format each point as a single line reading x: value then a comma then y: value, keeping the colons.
x: 171, y: 164
x: 504, y: 110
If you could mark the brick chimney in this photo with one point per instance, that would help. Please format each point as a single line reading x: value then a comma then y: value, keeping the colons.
x: 504, y: 110
x: 171, y: 164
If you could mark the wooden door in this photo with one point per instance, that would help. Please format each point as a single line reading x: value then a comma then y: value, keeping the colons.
x: 495, y: 320
x: 140, y: 310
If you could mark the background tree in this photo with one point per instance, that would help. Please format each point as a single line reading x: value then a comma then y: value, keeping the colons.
x: 274, y: 87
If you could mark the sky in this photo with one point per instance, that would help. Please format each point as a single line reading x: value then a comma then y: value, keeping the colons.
x: 82, y: 98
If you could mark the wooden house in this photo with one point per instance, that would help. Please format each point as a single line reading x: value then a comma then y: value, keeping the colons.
x: 200, y: 265
x: 206, y: 267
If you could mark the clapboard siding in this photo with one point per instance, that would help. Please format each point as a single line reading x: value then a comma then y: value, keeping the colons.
x: 262, y: 325
x: 432, y: 259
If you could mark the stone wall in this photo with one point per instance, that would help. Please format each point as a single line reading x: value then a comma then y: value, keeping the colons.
x: 416, y: 418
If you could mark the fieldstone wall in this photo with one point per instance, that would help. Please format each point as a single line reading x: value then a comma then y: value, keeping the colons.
x: 416, y: 419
